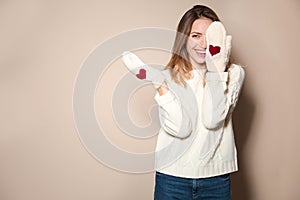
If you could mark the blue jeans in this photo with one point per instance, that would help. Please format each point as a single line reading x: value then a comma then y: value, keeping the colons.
x: 169, y: 187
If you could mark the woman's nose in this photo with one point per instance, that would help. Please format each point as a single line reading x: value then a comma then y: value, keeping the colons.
x: 202, y: 42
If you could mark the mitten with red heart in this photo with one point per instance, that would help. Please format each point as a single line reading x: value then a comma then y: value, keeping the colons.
x: 141, y: 70
x: 218, y: 47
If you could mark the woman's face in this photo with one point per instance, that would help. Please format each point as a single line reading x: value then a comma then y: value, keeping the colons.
x: 196, y: 43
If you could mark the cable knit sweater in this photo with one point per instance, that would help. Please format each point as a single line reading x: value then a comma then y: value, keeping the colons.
x: 196, y: 137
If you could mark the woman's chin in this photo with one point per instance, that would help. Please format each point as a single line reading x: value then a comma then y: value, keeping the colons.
x: 200, y: 60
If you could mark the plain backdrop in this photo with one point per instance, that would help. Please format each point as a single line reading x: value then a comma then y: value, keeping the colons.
x: 42, y: 46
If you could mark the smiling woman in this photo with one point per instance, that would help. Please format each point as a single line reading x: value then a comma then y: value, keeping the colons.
x: 201, y: 54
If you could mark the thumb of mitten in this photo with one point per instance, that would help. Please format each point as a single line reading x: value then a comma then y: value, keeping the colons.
x: 228, y: 47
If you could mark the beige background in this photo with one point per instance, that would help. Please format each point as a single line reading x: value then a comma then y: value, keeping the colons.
x: 43, y: 44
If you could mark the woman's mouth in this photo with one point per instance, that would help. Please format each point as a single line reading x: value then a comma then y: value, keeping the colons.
x: 200, y: 53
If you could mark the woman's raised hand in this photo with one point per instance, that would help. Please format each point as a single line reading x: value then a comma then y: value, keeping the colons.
x: 218, y: 47
x: 141, y: 70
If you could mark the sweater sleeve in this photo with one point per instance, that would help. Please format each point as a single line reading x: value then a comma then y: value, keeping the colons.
x: 220, y: 98
x: 170, y: 115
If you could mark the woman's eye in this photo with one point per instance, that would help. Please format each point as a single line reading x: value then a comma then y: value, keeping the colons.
x: 195, y: 36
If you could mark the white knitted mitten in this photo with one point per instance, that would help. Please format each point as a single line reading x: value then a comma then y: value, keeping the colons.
x: 141, y: 70
x: 218, y: 47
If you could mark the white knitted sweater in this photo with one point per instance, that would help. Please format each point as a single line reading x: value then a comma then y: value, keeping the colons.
x: 201, y: 145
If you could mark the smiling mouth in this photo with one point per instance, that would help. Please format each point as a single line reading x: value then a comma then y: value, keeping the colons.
x: 200, y: 53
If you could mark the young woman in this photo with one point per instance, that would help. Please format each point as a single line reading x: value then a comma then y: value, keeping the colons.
x: 196, y: 94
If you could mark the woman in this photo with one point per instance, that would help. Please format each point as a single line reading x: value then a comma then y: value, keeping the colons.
x: 196, y: 94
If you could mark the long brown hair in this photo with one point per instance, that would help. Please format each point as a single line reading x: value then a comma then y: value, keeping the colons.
x: 179, y: 62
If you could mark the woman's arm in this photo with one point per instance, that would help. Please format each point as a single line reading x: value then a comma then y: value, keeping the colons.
x: 219, y: 98
x: 170, y: 113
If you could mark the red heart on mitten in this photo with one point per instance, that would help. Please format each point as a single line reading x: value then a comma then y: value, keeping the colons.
x: 141, y: 74
x: 214, y: 50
